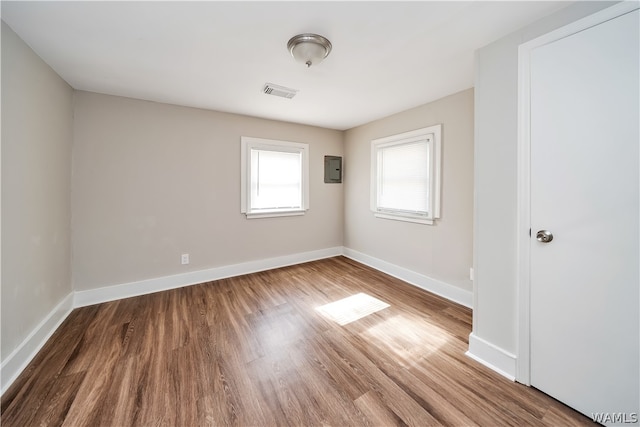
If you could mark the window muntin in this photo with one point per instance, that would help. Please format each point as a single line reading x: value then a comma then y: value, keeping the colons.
x: 274, y: 178
x: 405, y: 176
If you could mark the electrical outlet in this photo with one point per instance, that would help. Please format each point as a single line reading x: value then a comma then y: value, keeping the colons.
x: 185, y: 259
x: 471, y: 273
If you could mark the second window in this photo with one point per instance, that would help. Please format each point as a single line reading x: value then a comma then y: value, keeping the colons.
x: 405, y: 176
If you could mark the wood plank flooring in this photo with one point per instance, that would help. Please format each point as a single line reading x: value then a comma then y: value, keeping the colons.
x: 255, y: 351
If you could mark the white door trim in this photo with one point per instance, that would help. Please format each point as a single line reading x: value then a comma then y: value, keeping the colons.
x: 523, y: 219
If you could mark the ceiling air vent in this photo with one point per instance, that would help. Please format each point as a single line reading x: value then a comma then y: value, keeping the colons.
x: 284, y: 92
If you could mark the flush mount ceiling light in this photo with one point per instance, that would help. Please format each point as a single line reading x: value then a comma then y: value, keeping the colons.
x: 309, y: 48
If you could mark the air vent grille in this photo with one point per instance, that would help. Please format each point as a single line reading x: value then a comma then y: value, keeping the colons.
x: 284, y: 92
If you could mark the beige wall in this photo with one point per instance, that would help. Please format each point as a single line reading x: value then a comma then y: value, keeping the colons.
x: 496, y: 83
x: 442, y: 251
x: 36, y: 189
x: 152, y: 181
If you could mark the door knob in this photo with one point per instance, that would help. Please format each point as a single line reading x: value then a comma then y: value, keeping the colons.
x: 544, y: 236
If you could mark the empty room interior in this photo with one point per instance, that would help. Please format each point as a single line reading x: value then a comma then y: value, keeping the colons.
x: 320, y: 213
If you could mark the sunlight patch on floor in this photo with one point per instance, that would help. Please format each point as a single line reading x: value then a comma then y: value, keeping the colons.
x: 352, y: 308
x: 408, y: 338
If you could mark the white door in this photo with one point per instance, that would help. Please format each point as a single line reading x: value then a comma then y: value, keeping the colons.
x: 585, y: 192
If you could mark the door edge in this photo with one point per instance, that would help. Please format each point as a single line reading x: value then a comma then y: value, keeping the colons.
x: 523, y: 213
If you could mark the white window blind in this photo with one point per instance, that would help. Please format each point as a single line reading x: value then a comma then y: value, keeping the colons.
x: 276, y: 180
x: 404, y: 177
x: 274, y: 177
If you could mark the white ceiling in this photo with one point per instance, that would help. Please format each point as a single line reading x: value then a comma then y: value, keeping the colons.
x: 387, y: 56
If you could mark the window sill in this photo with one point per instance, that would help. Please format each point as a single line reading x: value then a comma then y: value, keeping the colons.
x: 417, y: 220
x: 255, y: 215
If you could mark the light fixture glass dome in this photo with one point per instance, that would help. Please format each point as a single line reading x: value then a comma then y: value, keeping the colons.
x: 309, y: 49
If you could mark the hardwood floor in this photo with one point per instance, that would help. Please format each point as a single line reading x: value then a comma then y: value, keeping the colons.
x: 255, y: 350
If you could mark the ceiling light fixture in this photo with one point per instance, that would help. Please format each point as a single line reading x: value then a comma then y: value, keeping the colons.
x: 309, y: 48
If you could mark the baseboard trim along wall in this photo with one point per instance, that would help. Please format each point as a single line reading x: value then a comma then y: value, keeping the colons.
x: 491, y: 356
x: 143, y: 287
x: 19, y: 358
x: 445, y: 290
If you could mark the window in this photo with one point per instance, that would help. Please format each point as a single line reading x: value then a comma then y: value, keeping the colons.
x: 405, y: 176
x: 274, y: 178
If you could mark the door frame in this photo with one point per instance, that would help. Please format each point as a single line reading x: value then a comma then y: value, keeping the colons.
x: 523, y: 214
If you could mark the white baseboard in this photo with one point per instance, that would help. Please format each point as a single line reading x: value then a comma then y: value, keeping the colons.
x: 445, y: 290
x: 142, y: 287
x: 18, y: 360
x: 22, y: 356
x: 492, y: 357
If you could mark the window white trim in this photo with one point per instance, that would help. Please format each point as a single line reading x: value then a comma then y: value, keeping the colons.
x: 433, y: 136
x: 249, y: 143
